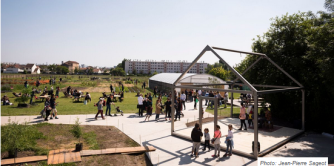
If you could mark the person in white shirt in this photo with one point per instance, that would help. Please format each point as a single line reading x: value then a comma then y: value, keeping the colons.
x: 183, y: 99
x: 229, y: 141
x: 140, y: 104
x: 199, y: 92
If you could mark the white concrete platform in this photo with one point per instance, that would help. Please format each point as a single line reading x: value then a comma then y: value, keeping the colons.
x: 243, y: 139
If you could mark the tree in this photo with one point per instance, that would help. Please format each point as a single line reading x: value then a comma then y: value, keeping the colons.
x: 220, y: 73
x: 134, y: 71
x: 217, y: 64
x: 25, y: 71
x: 90, y: 71
x: 52, y: 68
x: 303, y: 45
x: 64, y: 70
x: 76, y: 70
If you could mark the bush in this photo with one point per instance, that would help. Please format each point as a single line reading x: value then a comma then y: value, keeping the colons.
x: 5, y: 88
x: 76, y: 130
x: 19, y: 137
x: 24, y: 98
x: 128, y: 82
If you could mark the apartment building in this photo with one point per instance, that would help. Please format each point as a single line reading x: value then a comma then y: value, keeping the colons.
x: 151, y: 66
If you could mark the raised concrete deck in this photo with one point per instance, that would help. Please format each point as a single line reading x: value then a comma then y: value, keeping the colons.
x: 243, y: 139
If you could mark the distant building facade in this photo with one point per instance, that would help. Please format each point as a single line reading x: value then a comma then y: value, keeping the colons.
x: 149, y: 67
x: 71, y: 65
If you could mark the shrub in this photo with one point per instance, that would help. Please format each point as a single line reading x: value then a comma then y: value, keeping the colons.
x: 19, y: 137
x: 5, y: 88
x: 76, y: 130
x: 128, y: 82
x: 24, y: 98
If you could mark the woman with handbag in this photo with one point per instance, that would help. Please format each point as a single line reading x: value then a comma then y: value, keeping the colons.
x: 216, y: 141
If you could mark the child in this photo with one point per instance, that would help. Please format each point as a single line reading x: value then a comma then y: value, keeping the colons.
x: 216, y: 141
x: 250, y: 117
x: 207, y: 139
x: 149, y: 113
x: 229, y: 141
x: 118, y: 110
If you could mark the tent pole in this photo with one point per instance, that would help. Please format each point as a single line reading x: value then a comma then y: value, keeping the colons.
x: 256, y: 133
x: 173, y: 110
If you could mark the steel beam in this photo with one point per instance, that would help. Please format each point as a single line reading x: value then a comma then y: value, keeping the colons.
x: 303, y: 109
x: 268, y: 86
x: 244, y: 52
x: 173, y: 110
x: 278, y: 90
x: 207, y: 48
x: 200, y: 112
x: 249, y: 68
x: 214, y: 89
x: 256, y: 132
x: 232, y: 102
x: 234, y: 71
x: 287, y: 74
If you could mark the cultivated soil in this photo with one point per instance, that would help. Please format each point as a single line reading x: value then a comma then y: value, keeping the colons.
x: 59, y: 137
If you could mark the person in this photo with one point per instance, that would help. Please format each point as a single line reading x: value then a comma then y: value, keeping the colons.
x: 186, y: 93
x: 50, y: 81
x: 108, y: 105
x: 229, y: 141
x: 53, y: 106
x: 68, y: 90
x: 32, y: 95
x: 5, y: 100
x: 60, y: 79
x: 250, y: 117
x: 122, y: 88
x: 149, y: 113
x: 88, y: 97
x: 99, y: 105
x: 178, y: 109
x: 140, y: 105
x: 157, y: 109
x: 155, y: 91
x: 199, y: 92
x: 47, y: 108
x: 195, y: 100
x: 144, y: 84
x: 207, y: 139
x: 57, y: 91
x: 183, y: 100
x: 26, y: 84
x: 225, y: 98
x: 242, y: 116
x: 196, y: 135
x: 216, y: 141
x: 206, y: 100
x: 37, y: 83
x: 149, y: 100
x: 111, y: 88
x: 121, y: 96
x: 104, y: 95
x: 168, y: 105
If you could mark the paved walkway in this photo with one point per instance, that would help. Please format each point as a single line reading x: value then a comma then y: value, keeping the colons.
x: 170, y: 150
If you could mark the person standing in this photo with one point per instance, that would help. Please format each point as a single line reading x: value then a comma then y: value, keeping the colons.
x: 32, y: 95
x: 57, y: 91
x: 50, y: 81
x: 149, y: 100
x: 111, y: 88
x: 242, y: 116
x: 157, y: 109
x: 53, y: 106
x: 183, y: 100
x: 195, y: 100
x: 250, y: 118
x: 37, y: 83
x: 122, y: 88
x: 168, y: 105
x: 186, y: 93
x: 99, y: 105
x: 225, y: 98
x: 216, y: 141
x: 26, y: 84
x: 229, y: 141
x: 196, y: 135
x: 144, y: 84
x: 155, y: 91
x: 108, y: 104
x: 140, y: 105
x: 207, y: 139
x: 47, y: 108
x: 178, y: 109
x: 60, y: 79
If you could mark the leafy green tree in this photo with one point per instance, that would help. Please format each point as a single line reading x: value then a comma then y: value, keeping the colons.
x: 217, y: 64
x: 25, y: 71
x: 303, y: 45
x: 220, y: 73
x: 90, y: 71
x: 76, y: 70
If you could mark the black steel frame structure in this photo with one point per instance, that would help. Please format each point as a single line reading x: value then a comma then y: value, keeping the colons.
x: 252, y: 91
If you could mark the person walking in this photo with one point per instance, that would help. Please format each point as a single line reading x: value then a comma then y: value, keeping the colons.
x: 183, y: 100
x: 216, y: 141
x: 242, y: 116
x: 196, y: 135
x: 53, y: 105
x: 108, y: 104
x: 229, y: 141
x: 157, y: 109
x: 140, y: 105
x: 111, y: 88
x: 99, y: 105
x: 168, y: 105
x: 195, y: 100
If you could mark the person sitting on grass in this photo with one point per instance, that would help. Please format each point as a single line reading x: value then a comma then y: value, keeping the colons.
x: 88, y: 97
x: 5, y: 100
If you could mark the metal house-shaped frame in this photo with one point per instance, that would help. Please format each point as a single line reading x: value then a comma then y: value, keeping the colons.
x: 240, y: 77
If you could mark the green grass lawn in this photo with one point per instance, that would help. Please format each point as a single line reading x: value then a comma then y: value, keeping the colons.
x: 66, y: 106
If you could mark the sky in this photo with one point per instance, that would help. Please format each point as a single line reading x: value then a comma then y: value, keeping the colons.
x: 104, y: 32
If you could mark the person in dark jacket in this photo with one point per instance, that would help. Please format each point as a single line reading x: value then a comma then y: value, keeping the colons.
x: 196, y: 136
x: 108, y: 104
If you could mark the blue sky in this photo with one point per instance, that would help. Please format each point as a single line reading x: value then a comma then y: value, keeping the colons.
x: 103, y: 32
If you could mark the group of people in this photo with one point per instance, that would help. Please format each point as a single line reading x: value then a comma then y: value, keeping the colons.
x: 265, y: 116
x: 197, y: 134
